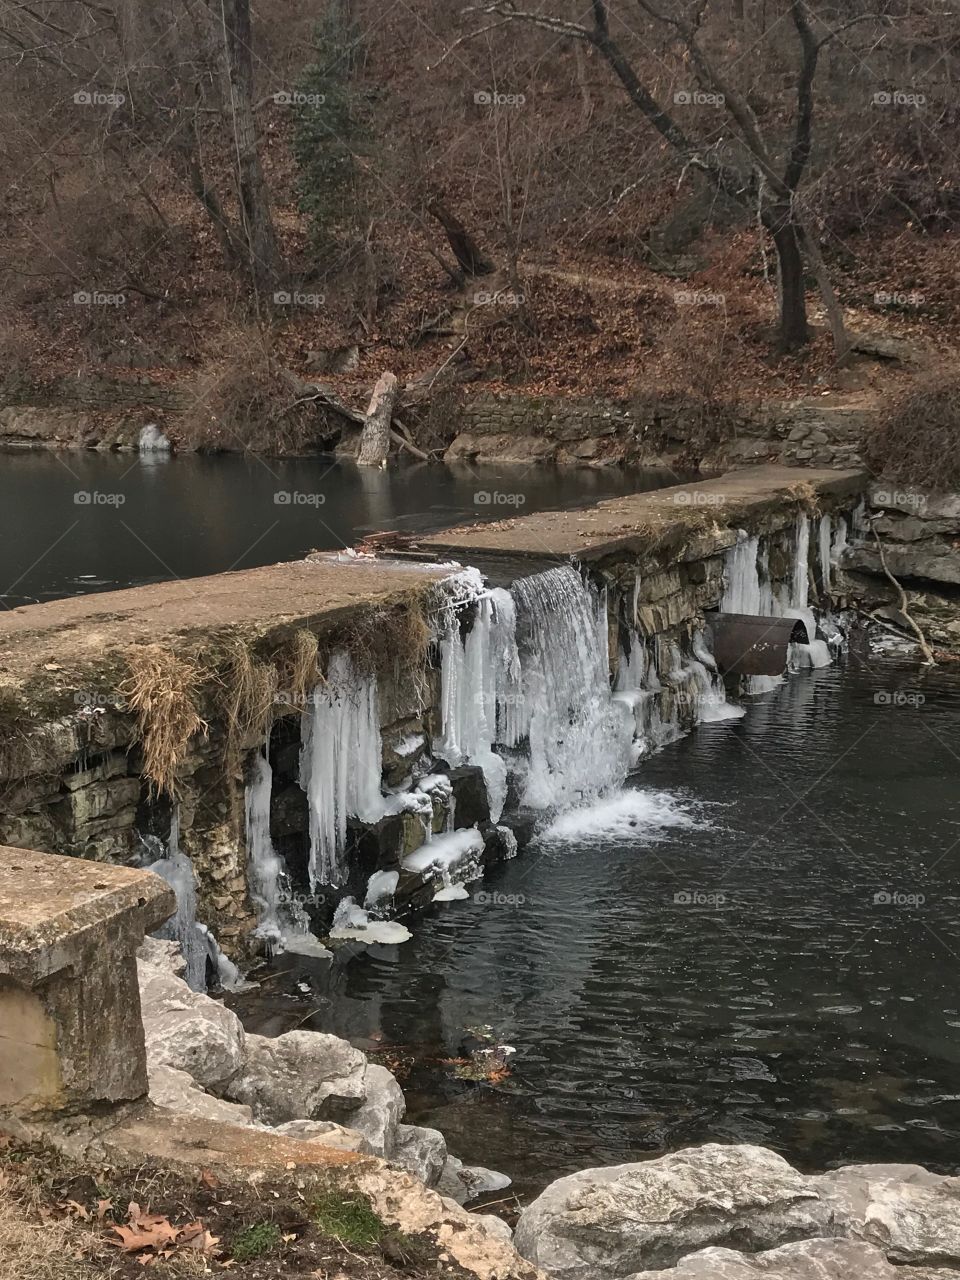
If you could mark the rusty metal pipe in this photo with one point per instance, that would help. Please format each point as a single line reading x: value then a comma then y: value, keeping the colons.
x: 746, y: 644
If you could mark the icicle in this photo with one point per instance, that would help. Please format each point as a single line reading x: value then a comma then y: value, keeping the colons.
x: 340, y: 764
x: 824, y: 545
x: 195, y: 941
x: 480, y: 691
x: 152, y: 440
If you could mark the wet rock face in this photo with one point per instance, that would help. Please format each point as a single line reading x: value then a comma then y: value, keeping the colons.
x: 739, y: 1212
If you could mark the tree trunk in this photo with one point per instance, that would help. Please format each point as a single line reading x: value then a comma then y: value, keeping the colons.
x: 465, y: 249
x: 794, y: 333
x: 257, y: 222
x: 831, y: 304
x: 375, y: 441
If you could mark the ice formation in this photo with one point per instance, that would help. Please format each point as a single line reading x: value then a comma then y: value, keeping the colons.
x: 340, y: 764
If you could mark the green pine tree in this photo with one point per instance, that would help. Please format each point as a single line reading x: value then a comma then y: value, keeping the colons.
x: 333, y: 129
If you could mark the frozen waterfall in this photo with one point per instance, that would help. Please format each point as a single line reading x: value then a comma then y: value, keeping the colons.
x: 480, y: 687
x: 340, y: 764
x: 749, y: 589
x: 197, y: 943
x: 282, y: 922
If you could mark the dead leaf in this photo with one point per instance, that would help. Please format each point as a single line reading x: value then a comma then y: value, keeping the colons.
x: 209, y: 1179
x: 149, y: 1232
x: 197, y: 1237
x: 103, y: 1208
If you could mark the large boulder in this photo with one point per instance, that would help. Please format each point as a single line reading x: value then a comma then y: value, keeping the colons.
x: 188, y: 1031
x: 162, y: 953
x: 301, y: 1075
x: 422, y: 1152
x: 378, y: 1116
x: 180, y: 1092
x: 635, y: 1217
x: 911, y: 1214
x: 806, y: 1260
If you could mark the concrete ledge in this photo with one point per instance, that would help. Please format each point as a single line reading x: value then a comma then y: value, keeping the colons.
x: 638, y: 522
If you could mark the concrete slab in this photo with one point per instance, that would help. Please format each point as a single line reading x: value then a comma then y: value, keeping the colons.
x: 309, y: 593
x: 635, y: 521
x: 49, y: 904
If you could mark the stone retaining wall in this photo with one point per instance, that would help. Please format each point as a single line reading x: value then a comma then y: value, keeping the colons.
x: 514, y: 427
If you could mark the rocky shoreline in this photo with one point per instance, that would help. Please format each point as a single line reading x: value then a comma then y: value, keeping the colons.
x: 303, y: 1084
x: 714, y: 1212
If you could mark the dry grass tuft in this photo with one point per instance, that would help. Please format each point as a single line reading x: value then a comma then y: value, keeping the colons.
x: 250, y: 689
x: 163, y: 690
x: 39, y: 1251
x: 300, y: 666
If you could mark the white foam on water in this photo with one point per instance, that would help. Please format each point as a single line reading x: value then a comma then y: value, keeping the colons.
x: 634, y: 815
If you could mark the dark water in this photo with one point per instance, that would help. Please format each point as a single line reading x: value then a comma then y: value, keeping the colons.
x: 810, y: 1003
x: 76, y: 522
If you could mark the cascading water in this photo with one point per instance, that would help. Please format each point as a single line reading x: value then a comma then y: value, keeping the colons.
x: 340, y: 764
x: 579, y: 735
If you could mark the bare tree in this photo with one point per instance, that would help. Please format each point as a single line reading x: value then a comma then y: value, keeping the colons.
x: 258, y: 232
x: 769, y: 190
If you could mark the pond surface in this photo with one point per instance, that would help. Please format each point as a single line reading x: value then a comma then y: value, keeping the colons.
x: 76, y: 522
x: 770, y: 956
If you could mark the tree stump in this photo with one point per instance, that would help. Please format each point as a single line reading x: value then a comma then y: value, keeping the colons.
x: 375, y: 440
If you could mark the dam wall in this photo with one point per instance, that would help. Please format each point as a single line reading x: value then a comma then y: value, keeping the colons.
x: 310, y: 750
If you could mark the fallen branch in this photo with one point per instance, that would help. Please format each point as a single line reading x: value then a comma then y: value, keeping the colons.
x: 928, y: 658
x: 404, y: 443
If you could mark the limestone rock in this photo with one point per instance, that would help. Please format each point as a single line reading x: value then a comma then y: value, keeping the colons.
x: 632, y: 1217
x: 911, y: 1214
x: 494, y: 1226
x: 188, y: 1031
x: 301, y: 1075
x: 179, y: 1092
x: 162, y: 953
x: 378, y: 1116
x: 422, y: 1152
x: 327, y: 1134
x: 405, y: 1203
x: 806, y: 1260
